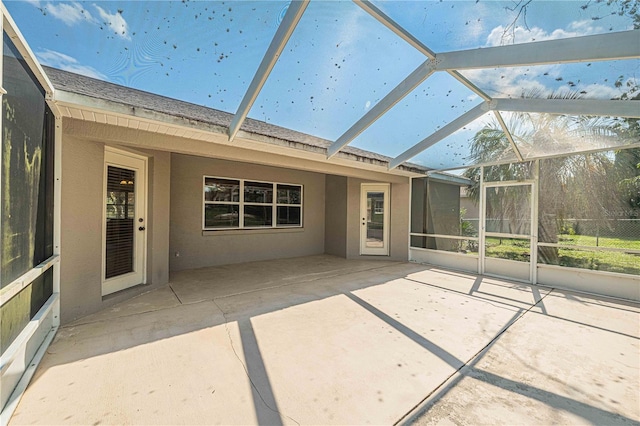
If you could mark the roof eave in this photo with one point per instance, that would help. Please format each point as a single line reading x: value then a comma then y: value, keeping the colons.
x: 87, y: 108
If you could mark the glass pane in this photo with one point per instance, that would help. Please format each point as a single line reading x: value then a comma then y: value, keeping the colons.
x: 621, y: 262
x: 258, y: 192
x: 508, y: 248
x: 544, y: 135
x: 375, y: 219
x: 585, y: 80
x: 202, y: 52
x: 535, y: 135
x: 414, y: 118
x: 479, y: 142
x: 120, y: 205
x: 289, y: 216
x: 289, y: 194
x: 120, y: 193
x: 216, y: 189
x: 331, y: 72
x: 508, y: 210
x: 257, y: 216
x: 221, y: 216
x: 457, y: 25
x: 23, y: 167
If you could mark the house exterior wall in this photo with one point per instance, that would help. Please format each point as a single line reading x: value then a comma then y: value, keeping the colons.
x: 472, y: 209
x: 399, y: 220
x: 81, y: 227
x: 197, y: 248
x: 335, y: 237
x: 176, y: 167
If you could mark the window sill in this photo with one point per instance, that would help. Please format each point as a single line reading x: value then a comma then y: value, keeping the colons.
x: 206, y: 233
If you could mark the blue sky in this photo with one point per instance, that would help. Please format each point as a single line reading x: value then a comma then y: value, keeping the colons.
x: 338, y: 63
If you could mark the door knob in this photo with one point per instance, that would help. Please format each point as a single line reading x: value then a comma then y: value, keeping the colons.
x: 142, y: 228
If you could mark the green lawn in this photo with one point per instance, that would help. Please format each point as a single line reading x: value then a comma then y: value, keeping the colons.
x: 504, y: 248
x: 610, y: 261
x: 589, y: 241
x: 622, y: 262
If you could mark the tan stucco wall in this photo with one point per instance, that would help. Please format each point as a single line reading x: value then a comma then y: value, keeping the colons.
x: 176, y: 184
x: 399, y: 220
x: 159, y: 217
x: 335, y: 237
x: 81, y: 227
x: 199, y: 249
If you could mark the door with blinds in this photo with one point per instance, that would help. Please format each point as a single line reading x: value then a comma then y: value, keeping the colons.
x: 124, y: 226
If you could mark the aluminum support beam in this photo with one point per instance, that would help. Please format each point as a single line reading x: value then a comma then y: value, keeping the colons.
x: 437, y: 136
x: 600, y: 47
x: 11, y: 28
x: 606, y: 108
x: 462, y: 79
x: 280, y: 39
x: 508, y: 135
x: 385, y: 20
x: 414, y: 79
x: 406, y: 36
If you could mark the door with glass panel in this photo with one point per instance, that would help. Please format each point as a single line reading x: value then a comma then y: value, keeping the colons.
x: 507, y: 239
x: 374, y: 219
x: 124, y: 227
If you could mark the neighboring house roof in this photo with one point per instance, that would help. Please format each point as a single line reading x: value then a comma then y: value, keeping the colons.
x: 451, y: 178
x: 90, y: 87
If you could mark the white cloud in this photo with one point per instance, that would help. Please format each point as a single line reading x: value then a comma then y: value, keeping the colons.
x: 69, y: 13
x: 500, y: 35
x: 600, y: 91
x: 73, y: 13
x: 65, y: 62
x: 115, y: 21
x: 514, y: 82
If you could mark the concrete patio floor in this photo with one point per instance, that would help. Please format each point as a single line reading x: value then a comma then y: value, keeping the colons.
x: 324, y: 340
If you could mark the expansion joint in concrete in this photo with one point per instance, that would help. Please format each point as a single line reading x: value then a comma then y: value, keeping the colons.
x: 175, y: 294
x: 424, y: 403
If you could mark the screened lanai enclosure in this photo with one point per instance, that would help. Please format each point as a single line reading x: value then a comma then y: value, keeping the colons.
x: 513, y: 125
x: 525, y: 220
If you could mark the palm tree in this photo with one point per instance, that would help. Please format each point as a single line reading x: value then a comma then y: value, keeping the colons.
x: 572, y: 185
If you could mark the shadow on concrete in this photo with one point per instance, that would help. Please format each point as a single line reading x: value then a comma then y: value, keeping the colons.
x: 264, y: 400
x: 126, y: 332
x: 467, y: 369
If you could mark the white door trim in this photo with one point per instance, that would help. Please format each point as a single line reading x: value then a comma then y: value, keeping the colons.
x: 139, y: 163
x: 364, y: 248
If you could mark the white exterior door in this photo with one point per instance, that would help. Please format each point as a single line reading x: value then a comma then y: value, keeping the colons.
x: 124, y: 224
x: 374, y: 219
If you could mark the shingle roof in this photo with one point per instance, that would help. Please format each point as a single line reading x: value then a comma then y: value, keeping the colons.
x: 98, y: 89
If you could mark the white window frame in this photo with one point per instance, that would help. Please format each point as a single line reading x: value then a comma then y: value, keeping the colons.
x: 242, y: 203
